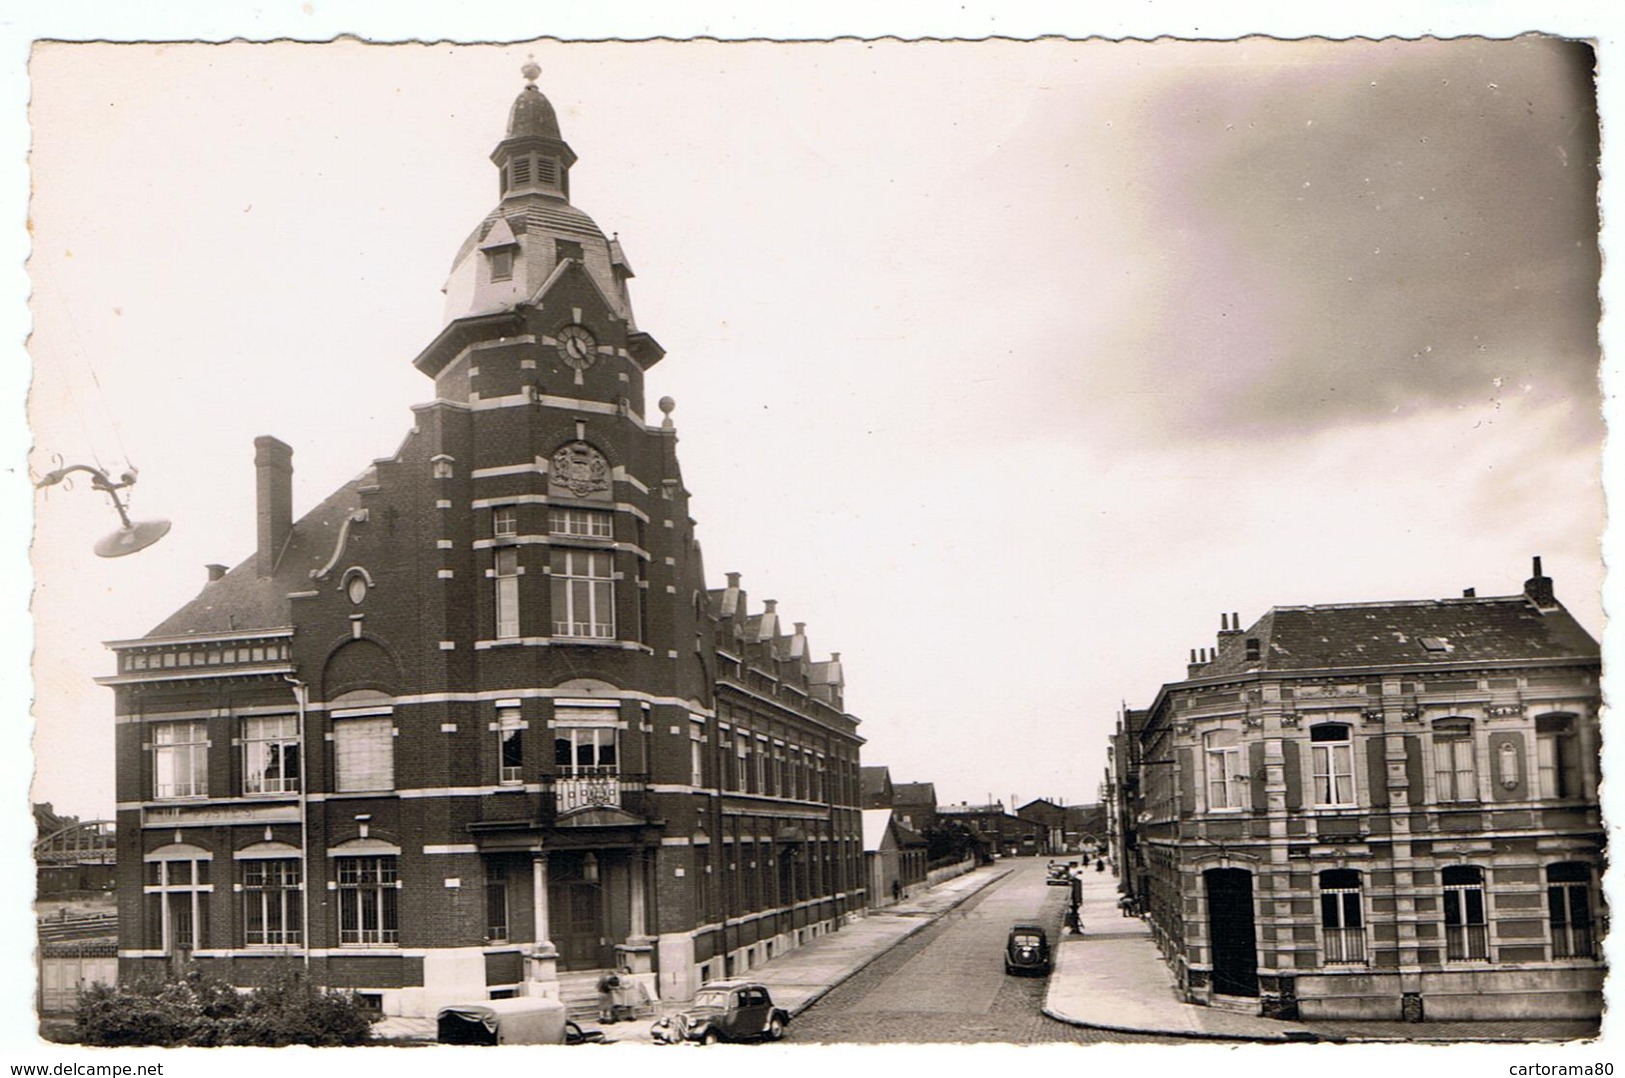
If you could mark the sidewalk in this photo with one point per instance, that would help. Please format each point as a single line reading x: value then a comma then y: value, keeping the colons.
x: 1114, y: 978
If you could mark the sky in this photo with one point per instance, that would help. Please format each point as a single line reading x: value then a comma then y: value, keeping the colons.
x: 1006, y: 366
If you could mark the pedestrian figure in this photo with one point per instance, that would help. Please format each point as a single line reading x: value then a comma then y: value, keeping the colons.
x: 897, y: 890
x: 1074, y: 922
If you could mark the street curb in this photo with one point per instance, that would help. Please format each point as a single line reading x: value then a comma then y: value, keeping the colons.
x: 924, y: 923
x: 1192, y: 1034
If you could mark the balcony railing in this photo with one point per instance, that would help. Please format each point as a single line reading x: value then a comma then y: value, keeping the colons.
x: 587, y: 787
x: 1466, y: 942
x: 1344, y: 946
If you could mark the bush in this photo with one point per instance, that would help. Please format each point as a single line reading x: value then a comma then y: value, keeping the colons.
x: 198, y: 1010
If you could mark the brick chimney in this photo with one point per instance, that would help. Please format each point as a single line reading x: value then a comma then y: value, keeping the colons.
x: 273, y: 484
x: 1538, y: 588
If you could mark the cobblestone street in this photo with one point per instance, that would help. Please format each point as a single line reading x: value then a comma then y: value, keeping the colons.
x: 947, y: 983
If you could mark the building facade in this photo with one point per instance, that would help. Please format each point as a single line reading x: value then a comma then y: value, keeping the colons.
x: 1006, y: 835
x: 1377, y: 810
x: 475, y: 726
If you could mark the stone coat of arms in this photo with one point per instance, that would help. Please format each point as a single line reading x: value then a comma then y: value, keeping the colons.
x: 579, y: 469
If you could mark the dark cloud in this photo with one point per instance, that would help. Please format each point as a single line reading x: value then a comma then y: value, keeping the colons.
x: 1377, y: 228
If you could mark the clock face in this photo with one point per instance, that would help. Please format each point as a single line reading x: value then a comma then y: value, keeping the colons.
x: 577, y: 347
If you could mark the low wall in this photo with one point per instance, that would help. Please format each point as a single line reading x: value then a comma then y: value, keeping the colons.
x: 947, y: 872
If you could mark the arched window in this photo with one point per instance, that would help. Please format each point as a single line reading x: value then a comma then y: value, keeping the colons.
x: 1466, y: 936
x: 1454, y: 775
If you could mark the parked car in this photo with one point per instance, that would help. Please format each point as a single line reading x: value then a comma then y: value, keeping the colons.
x: 574, y: 1033
x: 1059, y: 873
x: 724, y: 1011
x: 525, y: 1020
x: 1027, y: 950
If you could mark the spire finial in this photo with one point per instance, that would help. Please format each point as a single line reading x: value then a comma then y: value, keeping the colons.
x: 531, y: 71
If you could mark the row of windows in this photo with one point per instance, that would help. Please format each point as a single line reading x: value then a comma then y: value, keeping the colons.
x: 363, y: 754
x: 1466, y: 931
x: 216, y: 655
x: 1455, y: 767
x: 366, y: 904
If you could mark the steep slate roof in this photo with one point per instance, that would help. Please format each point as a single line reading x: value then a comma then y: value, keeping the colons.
x: 1391, y: 634
x: 873, y: 781
x: 914, y: 793
x: 244, y: 600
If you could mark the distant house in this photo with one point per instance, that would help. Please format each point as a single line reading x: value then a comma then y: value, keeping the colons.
x: 916, y: 804
x: 1052, y: 818
x: 894, y: 855
x: 1007, y: 834
x: 875, y: 787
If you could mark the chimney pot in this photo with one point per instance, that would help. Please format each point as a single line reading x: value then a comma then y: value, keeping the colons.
x: 1469, y: 593
x: 801, y: 628
x: 733, y: 580
x: 834, y: 656
x: 1537, y: 566
x: 771, y: 604
x: 215, y: 571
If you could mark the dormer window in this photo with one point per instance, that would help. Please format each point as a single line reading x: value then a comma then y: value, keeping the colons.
x: 501, y: 264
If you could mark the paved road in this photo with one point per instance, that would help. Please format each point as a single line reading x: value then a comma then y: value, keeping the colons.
x: 947, y: 984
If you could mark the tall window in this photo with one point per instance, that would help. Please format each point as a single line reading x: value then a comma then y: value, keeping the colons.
x: 1557, y: 756
x: 583, y: 594
x: 1342, y: 927
x: 1454, y: 775
x: 496, y: 901
x: 1224, y: 785
x: 585, y: 750
x: 696, y: 755
x: 1466, y: 936
x: 363, y: 753
x: 1568, y: 898
x: 177, y: 886
x: 742, y: 755
x: 1333, y: 760
x: 271, y: 754
x: 369, y: 910
x: 510, y: 747
x: 273, y: 902
x: 507, y: 594
x: 180, y: 760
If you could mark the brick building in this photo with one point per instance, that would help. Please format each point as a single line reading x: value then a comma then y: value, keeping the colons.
x: 1006, y: 835
x: 475, y: 725
x: 1376, y: 810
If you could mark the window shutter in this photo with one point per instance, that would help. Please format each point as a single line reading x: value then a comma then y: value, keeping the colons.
x: 1416, y: 790
x: 1255, y: 777
x: 364, y: 754
x: 1294, y: 778
x: 1187, y: 782
x: 1376, y: 753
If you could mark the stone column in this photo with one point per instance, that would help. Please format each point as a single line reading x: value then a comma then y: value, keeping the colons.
x: 544, y: 957
x: 637, y: 953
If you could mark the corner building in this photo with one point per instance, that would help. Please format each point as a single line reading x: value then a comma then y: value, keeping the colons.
x: 474, y: 726
x: 1378, y: 810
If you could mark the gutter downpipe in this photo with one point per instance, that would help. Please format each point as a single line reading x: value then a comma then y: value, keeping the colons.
x: 301, y: 694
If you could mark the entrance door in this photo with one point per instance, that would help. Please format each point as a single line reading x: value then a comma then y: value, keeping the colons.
x: 579, y: 934
x: 1230, y: 931
x: 181, y: 937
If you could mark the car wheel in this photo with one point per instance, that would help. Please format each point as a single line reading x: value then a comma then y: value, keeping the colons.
x: 775, y: 1029
x: 711, y: 1037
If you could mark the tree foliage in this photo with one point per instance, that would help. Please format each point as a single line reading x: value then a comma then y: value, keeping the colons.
x: 950, y: 841
x: 197, y: 1010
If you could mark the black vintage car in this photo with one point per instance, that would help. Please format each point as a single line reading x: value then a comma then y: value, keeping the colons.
x: 1027, y: 950
x: 724, y: 1011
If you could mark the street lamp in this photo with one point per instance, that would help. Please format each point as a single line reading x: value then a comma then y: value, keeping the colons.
x: 131, y: 536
